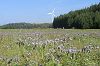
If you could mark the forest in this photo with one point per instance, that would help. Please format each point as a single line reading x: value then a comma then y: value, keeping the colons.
x: 87, y: 18
x: 24, y: 25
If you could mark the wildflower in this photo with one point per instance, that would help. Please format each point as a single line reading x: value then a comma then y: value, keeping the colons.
x: 70, y: 38
x: 60, y: 47
x: 87, y: 48
x: 97, y: 47
x: 71, y: 50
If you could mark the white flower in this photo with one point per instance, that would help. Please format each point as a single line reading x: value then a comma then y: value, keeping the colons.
x: 97, y: 47
x: 70, y: 38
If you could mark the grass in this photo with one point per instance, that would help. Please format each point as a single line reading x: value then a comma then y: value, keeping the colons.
x: 49, y: 47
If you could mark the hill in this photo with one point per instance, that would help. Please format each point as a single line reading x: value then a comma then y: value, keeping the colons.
x: 25, y: 26
x: 87, y: 18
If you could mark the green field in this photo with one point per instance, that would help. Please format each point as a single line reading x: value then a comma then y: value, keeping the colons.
x: 49, y: 47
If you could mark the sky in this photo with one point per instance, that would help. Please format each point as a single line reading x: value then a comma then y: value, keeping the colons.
x: 36, y: 11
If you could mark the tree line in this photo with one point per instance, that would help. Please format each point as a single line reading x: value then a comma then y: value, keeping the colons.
x: 87, y: 18
x: 25, y: 26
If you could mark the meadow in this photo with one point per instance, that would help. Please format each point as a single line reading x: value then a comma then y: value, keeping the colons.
x: 49, y: 47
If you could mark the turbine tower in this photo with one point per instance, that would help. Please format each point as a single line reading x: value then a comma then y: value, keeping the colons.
x: 52, y: 14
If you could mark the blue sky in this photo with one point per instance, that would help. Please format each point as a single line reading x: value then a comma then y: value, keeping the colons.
x: 36, y: 11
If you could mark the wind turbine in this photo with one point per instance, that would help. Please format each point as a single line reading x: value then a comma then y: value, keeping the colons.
x: 52, y: 14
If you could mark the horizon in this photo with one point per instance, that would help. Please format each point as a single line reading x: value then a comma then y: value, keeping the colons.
x: 37, y: 11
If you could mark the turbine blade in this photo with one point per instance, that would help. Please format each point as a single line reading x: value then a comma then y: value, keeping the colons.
x: 49, y: 13
x: 54, y: 15
x: 53, y: 10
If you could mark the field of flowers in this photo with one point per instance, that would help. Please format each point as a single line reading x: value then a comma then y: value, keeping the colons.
x: 49, y: 47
